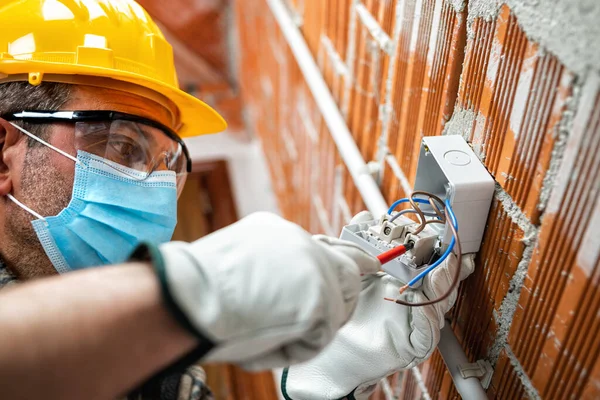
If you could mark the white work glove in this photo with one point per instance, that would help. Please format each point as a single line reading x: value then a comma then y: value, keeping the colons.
x: 264, y: 291
x: 381, y: 338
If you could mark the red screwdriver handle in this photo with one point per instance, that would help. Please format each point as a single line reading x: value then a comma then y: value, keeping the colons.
x: 389, y: 255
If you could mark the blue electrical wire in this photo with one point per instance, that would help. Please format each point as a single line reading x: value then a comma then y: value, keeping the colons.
x: 405, y: 200
x: 446, y: 253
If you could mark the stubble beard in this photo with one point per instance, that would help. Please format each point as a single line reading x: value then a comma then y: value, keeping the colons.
x: 46, y: 191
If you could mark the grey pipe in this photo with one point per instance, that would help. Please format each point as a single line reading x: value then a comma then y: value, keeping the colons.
x: 454, y: 356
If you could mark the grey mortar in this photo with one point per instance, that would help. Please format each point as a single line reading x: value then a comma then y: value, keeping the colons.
x: 460, y: 123
x: 569, y: 29
x: 531, y: 391
x: 516, y: 214
x: 505, y: 314
x: 564, y: 128
x: 484, y: 9
x: 458, y: 5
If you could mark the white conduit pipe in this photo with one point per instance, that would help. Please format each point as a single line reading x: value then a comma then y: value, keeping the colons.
x: 454, y: 356
x: 449, y: 347
x: 331, y: 114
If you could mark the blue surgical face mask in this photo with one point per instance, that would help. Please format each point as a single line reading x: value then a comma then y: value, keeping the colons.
x: 109, y: 214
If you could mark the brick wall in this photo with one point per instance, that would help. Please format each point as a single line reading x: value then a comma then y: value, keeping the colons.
x: 520, y: 82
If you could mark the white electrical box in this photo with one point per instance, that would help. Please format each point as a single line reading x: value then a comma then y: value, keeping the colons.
x: 449, y: 169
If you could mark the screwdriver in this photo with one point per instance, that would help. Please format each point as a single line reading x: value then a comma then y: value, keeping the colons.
x: 397, y: 251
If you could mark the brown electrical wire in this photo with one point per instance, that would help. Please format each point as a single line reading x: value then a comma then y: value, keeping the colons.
x: 430, y: 195
x: 416, y: 207
x: 407, y: 211
x: 456, y: 274
x: 436, y: 209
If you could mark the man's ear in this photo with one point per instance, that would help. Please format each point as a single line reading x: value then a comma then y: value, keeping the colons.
x: 9, y: 149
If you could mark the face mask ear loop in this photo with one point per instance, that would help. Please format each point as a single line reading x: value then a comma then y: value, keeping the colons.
x: 64, y: 153
x: 24, y: 207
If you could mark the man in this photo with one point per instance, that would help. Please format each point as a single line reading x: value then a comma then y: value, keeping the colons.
x: 91, y: 165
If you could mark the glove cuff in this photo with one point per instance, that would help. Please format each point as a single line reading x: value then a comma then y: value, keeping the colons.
x: 150, y: 253
x: 286, y: 395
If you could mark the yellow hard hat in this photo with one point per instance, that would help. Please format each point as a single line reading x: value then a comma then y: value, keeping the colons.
x: 109, y: 43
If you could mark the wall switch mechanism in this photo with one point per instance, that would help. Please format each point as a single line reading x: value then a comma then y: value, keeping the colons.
x: 449, y: 169
x: 379, y: 236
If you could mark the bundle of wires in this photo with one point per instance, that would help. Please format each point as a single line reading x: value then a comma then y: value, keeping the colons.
x: 440, y: 218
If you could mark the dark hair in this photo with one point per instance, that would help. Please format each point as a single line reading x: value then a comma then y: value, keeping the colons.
x: 19, y: 96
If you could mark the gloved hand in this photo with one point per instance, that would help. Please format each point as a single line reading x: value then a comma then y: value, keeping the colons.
x: 381, y: 338
x: 264, y: 291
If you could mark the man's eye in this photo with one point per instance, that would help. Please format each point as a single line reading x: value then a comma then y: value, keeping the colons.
x: 126, y: 152
x: 123, y: 148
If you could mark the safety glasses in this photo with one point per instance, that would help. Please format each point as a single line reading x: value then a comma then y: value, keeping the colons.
x: 134, y: 142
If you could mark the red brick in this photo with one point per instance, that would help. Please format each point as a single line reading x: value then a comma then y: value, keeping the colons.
x: 425, y: 77
x: 560, y: 303
x: 391, y: 188
x: 364, y: 103
x: 518, y: 93
x: 442, y: 72
x: 436, y: 377
x: 505, y: 382
x: 483, y: 292
x: 201, y: 27
x: 477, y: 56
x: 410, y: 387
x: 313, y: 17
x: 591, y: 391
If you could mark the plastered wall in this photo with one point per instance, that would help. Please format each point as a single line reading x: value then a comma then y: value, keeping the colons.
x: 520, y: 81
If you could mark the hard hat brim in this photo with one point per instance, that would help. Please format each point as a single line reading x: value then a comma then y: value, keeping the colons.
x: 197, y: 118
